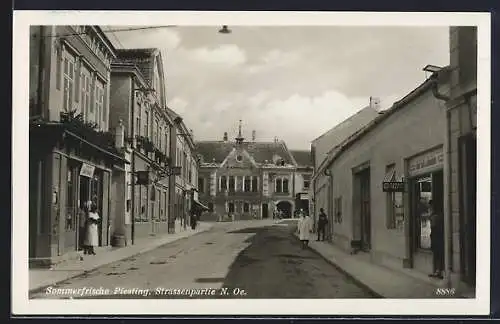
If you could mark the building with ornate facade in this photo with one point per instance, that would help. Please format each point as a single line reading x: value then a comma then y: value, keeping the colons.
x: 138, y: 103
x: 158, y: 141
x: 242, y: 180
x: 72, y: 153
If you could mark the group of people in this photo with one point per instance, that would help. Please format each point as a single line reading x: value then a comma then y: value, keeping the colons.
x: 305, y: 227
x: 89, y: 230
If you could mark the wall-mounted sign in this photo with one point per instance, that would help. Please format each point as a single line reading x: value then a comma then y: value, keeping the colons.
x: 87, y: 170
x: 393, y: 186
x: 426, y: 162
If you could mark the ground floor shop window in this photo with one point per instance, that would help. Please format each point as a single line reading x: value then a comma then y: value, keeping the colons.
x: 231, y: 207
x: 427, y: 195
x: 246, y: 207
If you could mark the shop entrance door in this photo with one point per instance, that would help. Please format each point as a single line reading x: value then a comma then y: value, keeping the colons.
x: 71, y: 212
x: 264, y: 211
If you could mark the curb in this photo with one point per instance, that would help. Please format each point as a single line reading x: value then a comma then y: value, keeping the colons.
x: 344, y: 272
x: 40, y: 289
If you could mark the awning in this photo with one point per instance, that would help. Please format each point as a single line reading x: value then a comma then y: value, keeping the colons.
x: 200, y: 205
x: 390, y: 175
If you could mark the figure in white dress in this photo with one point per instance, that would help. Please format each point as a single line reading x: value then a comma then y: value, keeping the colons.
x: 304, y: 228
x: 92, y: 238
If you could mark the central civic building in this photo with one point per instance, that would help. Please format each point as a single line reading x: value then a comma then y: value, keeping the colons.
x: 242, y: 180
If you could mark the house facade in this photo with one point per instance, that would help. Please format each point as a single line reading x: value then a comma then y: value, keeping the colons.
x: 73, y: 157
x: 184, y: 197
x: 138, y: 104
x: 324, y: 146
x: 461, y: 140
x: 242, y: 180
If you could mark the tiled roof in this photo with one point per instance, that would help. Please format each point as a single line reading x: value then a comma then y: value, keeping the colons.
x: 141, y: 57
x: 260, y: 151
x: 303, y: 158
x: 342, y: 131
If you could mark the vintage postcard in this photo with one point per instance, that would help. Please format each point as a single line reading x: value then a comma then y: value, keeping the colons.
x: 176, y: 162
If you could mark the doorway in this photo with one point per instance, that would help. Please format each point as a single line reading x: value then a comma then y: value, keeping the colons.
x: 365, y: 215
x: 71, y: 221
x: 468, y: 184
x: 286, y: 208
x: 425, y: 189
x: 265, y: 212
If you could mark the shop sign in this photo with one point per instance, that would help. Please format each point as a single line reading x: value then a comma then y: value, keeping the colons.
x: 304, y: 196
x: 393, y: 186
x: 426, y: 161
x: 87, y: 170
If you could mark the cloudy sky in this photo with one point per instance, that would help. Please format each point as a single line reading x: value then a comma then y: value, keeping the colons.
x: 290, y: 82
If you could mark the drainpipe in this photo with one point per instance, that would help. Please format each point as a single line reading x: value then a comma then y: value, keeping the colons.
x: 448, y: 233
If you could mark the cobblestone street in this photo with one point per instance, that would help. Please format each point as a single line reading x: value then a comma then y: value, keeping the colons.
x: 250, y: 259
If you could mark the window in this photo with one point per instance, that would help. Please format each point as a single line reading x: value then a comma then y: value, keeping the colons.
x: 69, y: 82
x: 255, y: 184
x: 70, y: 200
x: 85, y: 95
x: 390, y: 171
x: 246, y: 207
x: 306, y: 184
x: 426, y: 189
x: 146, y: 123
x: 230, y: 207
x: 279, y: 185
x: 167, y: 144
x: 337, y: 217
x: 99, y: 101
x: 138, y: 125
x: 155, y: 132
x: 247, y: 184
x: 285, y: 185
x: 239, y: 158
x: 232, y: 183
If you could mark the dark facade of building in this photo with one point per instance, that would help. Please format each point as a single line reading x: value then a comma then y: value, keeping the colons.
x: 73, y: 158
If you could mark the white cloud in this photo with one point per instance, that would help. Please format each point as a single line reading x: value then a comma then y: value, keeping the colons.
x: 229, y: 55
x: 166, y: 39
x: 178, y: 105
x: 273, y: 59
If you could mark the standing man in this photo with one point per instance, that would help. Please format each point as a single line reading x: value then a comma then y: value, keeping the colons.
x: 437, y: 240
x: 322, y: 222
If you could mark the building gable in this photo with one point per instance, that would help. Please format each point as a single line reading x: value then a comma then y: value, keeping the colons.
x: 239, y: 158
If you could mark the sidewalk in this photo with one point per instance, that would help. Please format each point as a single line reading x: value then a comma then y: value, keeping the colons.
x: 383, y: 281
x: 41, y: 278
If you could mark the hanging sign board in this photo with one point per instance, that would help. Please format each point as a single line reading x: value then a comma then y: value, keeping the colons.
x: 87, y: 170
x: 393, y: 186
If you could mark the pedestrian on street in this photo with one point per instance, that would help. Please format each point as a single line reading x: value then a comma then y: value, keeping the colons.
x: 437, y: 241
x: 92, y: 237
x: 322, y: 222
x: 194, y: 219
x: 305, y: 229
x: 82, y: 226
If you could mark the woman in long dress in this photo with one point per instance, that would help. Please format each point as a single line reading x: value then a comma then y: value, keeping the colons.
x: 92, y: 237
x: 305, y: 229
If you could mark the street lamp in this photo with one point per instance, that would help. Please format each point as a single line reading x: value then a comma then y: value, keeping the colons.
x: 225, y: 30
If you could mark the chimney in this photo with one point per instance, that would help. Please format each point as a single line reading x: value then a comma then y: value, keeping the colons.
x: 253, y: 135
x: 375, y: 104
x: 120, y: 135
x: 225, y: 137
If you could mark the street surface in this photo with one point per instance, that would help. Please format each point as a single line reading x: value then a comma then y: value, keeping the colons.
x: 255, y: 259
